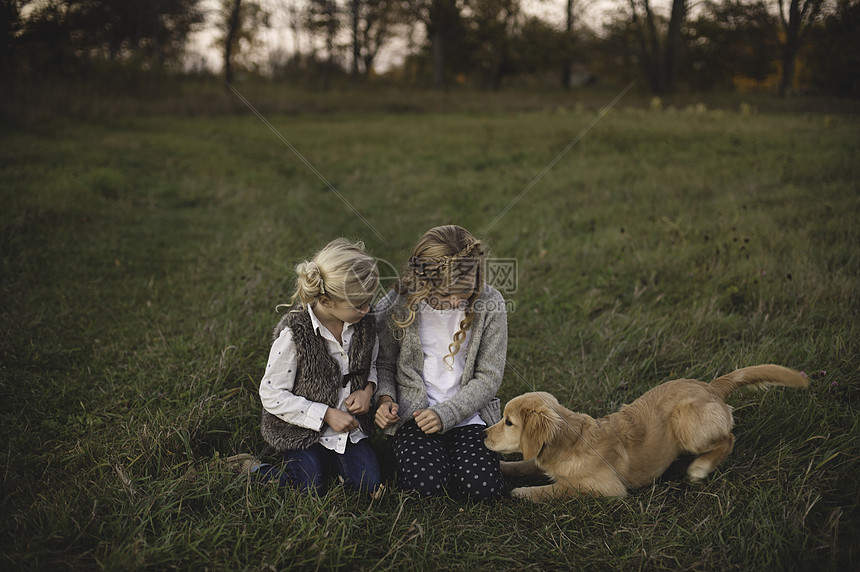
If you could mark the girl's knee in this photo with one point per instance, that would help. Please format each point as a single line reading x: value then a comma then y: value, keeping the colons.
x: 424, y: 480
x: 480, y: 486
x: 308, y: 482
x: 304, y: 470
x: 367, y: 481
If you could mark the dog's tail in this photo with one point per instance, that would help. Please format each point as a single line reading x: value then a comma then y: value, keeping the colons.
x: 758, y: 376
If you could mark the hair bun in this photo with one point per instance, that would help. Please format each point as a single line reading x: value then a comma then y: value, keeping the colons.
x: 311, y: 270
x: 340, y: 271
x: 310, y: 280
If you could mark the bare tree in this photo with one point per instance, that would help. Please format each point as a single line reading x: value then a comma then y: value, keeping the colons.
x: 645, y: 26
x: 567, y: 63
x: 240, y: 20
x: 355, y: 21
x: 797, y: 19
x: 324, y: 18
x: 573, y: 12
x: 233, y: 9
x: 146, y: 33
x: 372, y: 24
x: 442, y: 20
x: 293, y: 16
x: 660, y: 59
x: 673, y: 44
x: 493, y: 26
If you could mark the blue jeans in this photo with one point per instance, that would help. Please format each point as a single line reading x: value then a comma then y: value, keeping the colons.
x: 311, y: 469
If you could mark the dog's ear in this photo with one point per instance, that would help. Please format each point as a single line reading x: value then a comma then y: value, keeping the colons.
x: 540, y: 424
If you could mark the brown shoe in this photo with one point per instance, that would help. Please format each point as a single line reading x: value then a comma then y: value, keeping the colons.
x: 242, y: 463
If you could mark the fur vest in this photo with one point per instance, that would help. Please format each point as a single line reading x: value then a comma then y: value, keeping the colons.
x: 318, y: 377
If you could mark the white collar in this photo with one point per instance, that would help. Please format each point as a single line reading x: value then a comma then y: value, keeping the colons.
x: 318, y: 326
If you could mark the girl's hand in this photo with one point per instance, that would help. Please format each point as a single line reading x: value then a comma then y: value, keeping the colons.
x: 428, y: 421
x: 386, y: 414
x: 340, y: 421
x: 358, y: 401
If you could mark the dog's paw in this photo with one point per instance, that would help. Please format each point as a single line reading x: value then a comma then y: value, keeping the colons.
x: 520, y: 493
x: 696, y: 474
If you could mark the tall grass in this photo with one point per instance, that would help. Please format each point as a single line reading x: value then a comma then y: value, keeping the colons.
x: 142, y: 259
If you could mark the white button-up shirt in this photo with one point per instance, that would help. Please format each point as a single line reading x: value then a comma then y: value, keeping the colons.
x: 276, y: 388
x: 442, y: 379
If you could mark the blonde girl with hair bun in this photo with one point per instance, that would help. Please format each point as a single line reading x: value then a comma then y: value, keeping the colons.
x: 341, y: 271
x: 442, y: 347
x: 321, y: 376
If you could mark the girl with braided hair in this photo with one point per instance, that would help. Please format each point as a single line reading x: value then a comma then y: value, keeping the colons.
x: 442, y: 346
x: 321, y: 375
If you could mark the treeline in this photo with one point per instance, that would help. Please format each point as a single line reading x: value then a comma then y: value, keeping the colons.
x: 778, y: 45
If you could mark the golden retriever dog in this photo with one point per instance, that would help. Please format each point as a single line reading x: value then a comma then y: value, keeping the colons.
x: 632, y: 447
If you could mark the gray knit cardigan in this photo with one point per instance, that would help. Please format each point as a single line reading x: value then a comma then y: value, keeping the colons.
x: 400, y: 363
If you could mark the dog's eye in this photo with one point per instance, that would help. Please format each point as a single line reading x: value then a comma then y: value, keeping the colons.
x: 508, y: 422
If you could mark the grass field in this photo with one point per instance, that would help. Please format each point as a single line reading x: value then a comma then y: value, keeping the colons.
x: 143, y: 257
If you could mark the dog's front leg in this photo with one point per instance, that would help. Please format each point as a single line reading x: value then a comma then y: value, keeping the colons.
x: 542, y: 493
x: 520, y: 468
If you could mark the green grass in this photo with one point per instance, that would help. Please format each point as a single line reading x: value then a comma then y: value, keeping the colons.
x: 143, y: 257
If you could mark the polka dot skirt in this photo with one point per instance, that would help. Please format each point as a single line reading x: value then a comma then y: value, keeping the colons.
x: 456, y: 461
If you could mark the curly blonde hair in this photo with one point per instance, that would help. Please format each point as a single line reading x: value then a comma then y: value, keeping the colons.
x: 341, y: 270
x: 444, y: 256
